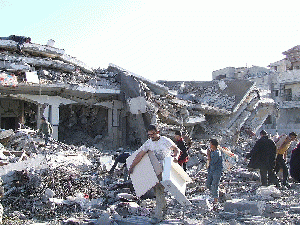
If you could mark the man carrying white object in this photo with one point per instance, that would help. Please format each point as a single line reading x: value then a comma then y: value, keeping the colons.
x: 162, y: 147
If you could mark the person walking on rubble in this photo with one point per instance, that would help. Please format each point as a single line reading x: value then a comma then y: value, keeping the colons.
x: 181, y: 144
x: 215, y: 169
x: 294, y: 163
x: 283, y: 143
x: 45, y: 129
x: 121, y: 158
x: 262, y: 157
x: 162, y: 147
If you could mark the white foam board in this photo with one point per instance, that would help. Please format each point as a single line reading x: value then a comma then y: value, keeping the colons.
x: 174, y: 179
x: 143, y: 177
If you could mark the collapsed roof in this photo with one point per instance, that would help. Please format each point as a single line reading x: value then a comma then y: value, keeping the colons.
x: 212, y: 107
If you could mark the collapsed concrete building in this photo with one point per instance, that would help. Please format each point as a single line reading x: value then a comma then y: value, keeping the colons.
x: 114, y: 106
x: 111, y: 108
x: 228, y: 106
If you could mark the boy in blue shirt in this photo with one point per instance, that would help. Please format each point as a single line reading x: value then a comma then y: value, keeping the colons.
x: 215, y: 169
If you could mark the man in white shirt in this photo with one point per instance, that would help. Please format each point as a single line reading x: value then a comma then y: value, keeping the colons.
x: 162, y: 147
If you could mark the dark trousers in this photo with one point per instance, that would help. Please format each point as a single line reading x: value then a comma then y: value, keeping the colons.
x: 280, y: 164
x: 268, y: 177
x: 184, y: 166
x: 46, y: 138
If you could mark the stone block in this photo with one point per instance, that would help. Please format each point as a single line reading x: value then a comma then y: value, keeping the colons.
x: 267, y: 192
x: 295, y: 209
x: 254, y: 208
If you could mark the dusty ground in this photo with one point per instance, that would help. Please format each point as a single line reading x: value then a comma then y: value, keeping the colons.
x: 65, y: 184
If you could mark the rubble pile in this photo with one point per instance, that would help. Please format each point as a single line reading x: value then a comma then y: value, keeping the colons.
x: 51, y: 65
x: 62, y: 184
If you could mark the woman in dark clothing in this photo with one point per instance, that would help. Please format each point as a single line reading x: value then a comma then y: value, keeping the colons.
x: 295, y: 163
x: 263, y: 157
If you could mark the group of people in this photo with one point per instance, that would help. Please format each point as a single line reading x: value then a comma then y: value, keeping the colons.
x: 269, y: 156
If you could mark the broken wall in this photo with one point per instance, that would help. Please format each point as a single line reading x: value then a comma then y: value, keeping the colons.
x: 289, y: 120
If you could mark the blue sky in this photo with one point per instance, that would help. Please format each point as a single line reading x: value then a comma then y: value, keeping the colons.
x: 160, y: 40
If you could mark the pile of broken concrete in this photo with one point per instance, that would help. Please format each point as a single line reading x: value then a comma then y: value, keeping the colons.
x: 65, y: 184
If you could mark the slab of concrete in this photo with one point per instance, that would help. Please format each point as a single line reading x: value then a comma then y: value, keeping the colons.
x: 254, y: 208
x: 137, y: 105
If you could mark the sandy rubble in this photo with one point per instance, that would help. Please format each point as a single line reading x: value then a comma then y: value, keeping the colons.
x: 65, y: 184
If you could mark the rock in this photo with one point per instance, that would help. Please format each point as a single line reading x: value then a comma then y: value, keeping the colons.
x: 48, y: 194
x: 125, y: 196
x: 267, y: 192
x: 254, y: 208
x: 295, y: 209
x: 202, y: 202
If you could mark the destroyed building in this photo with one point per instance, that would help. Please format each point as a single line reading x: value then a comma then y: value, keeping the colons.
x: 85, y: 106
x: 227, y: 107
x: 280, y: 82
x: 113, y: 106
x: 260, y: 75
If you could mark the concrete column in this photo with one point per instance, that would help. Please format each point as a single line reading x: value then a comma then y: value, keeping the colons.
x: 113, y: 126
x: 55, y: 120
x: 46, y: 113
x: 39, y: 115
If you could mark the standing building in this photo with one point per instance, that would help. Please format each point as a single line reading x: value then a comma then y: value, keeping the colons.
x: 285, y: 90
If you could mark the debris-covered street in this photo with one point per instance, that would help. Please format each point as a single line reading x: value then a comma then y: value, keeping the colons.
x: 64, y: 184
x: 98, y: 114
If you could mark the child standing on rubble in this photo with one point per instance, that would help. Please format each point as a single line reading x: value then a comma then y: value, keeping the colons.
x: 215, y: 169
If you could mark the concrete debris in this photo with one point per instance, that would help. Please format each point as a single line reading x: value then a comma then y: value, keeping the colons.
x: 65, y: 184
x: 251, y: 207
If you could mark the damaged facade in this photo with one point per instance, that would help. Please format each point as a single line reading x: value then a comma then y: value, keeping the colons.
x: 44, y: 81
x: 285, y: 91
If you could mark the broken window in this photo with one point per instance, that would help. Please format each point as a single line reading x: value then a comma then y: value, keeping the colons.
x: 288, y: 94
x: 81, y: 124
x: 30, y: 115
